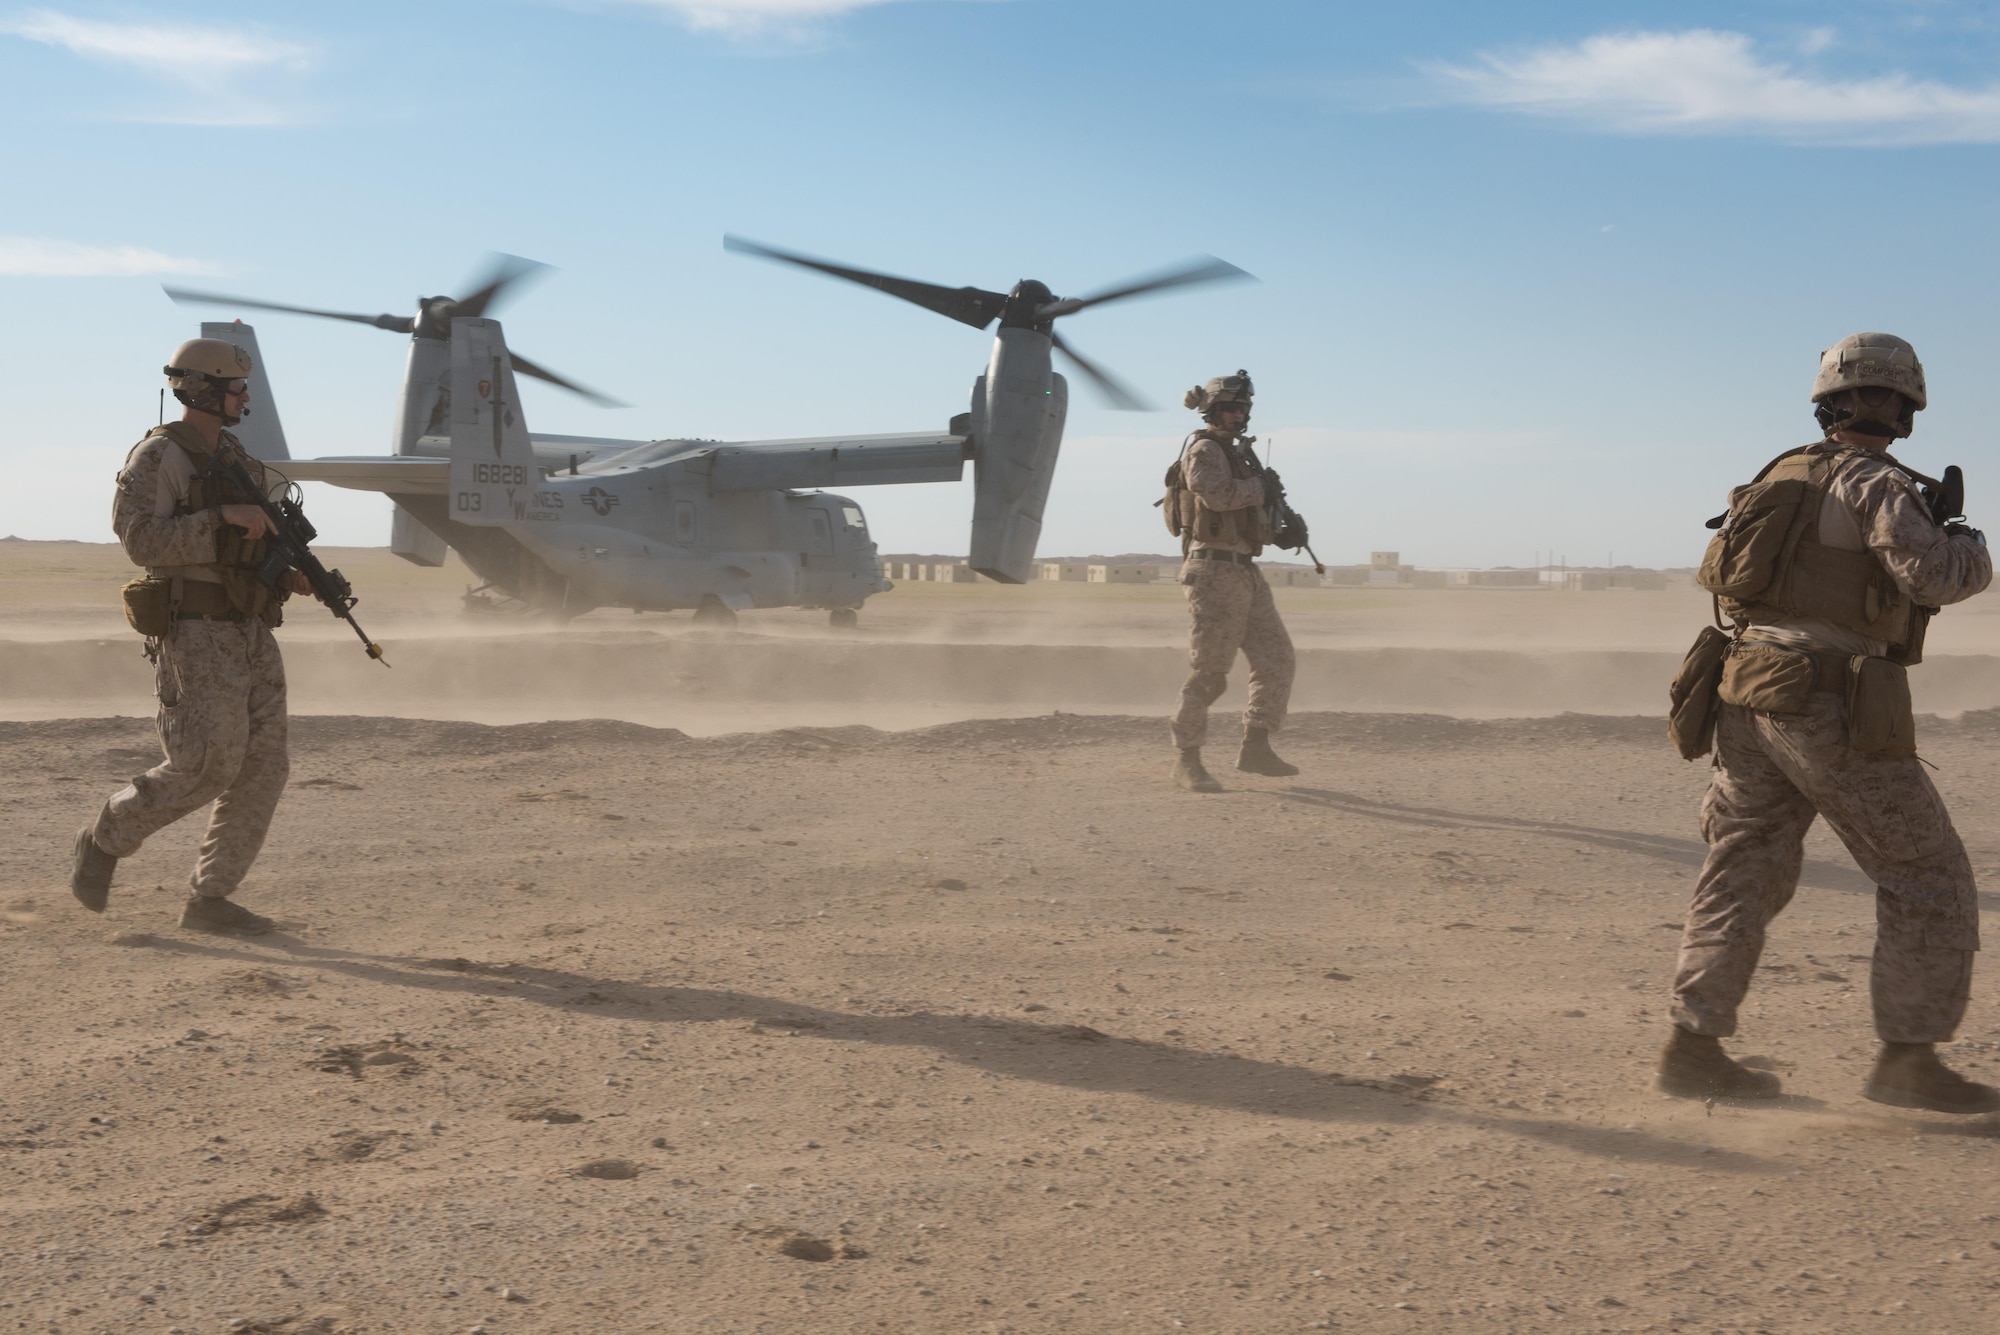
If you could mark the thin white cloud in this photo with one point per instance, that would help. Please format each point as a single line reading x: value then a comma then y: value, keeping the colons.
x: 32, y: 257
x: 209, y: 63
x: 745, y: 17
x: 1702, y: 81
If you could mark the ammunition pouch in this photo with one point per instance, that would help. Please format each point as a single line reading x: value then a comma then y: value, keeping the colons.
x: 1691, y: 698
x: 1778, y: 679
x: 1880, y: 719
x: 149, y: 606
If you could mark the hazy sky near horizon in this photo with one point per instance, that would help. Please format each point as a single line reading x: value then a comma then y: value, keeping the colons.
x: 1541, y: 276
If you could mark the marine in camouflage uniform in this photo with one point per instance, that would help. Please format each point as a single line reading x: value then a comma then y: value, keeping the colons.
x: 1776, y: 770
x: 220, y: 680
x: 1222, y: 504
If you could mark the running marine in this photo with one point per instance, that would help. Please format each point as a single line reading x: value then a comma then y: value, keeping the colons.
x: 1828, y: 566
x: 208, y: 620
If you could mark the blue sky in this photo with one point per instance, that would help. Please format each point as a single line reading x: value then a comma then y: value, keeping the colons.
x: 1534, y: 276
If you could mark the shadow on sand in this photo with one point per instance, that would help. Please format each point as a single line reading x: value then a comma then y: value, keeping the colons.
x: 1681, y: 852
x: 1068, y: 1055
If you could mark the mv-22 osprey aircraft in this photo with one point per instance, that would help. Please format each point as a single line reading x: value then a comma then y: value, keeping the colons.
x: 565, y: 524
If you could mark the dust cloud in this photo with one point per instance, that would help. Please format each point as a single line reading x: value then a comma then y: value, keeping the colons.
x: 637, y: 976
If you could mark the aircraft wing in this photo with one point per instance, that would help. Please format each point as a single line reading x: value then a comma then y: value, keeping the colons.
x: 834, y: 461
x: 399, y: 475
x: 752, y: 465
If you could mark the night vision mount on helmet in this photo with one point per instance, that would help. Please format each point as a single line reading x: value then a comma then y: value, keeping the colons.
x: 1219, y: 392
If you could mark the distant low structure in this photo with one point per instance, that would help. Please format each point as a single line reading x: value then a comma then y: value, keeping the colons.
x: 1596, y: 581
x: 1385, y: 570
x: 1504, y: 578
x: 929, y: 570
x: 1292, y: 577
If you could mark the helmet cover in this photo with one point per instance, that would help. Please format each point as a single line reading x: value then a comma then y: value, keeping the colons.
x: 203, y: 370
x: 1870, y: 383
x: 1220, y: 391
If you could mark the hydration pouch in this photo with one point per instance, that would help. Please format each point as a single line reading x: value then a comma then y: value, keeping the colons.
x: 1768, y: 677
x: 1171, y: 505
x: 1880, y: 720
x: 1691, y: 699
x: 149, y: 606
x: 1764, y: 521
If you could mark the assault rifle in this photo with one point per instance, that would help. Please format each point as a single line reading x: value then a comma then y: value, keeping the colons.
x: 1946, y: 499
x: 1288, y: 525
x: 291, y: 538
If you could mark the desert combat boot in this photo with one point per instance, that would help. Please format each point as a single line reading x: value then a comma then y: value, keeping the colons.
x: 1694, y: 1066
x: 90, y: 874
x: 1257, y: 757
x: 1189, y: 773
x: 212, y: 913
x: 1909, y: 1075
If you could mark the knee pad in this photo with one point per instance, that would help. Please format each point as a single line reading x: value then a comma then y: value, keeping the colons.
x: 1206, y: 687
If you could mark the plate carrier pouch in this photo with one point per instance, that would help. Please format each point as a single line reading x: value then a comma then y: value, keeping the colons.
x: 1766, y: 558
x: 237, y: 559
x: 1691, y: 699
x: 1190, y: 520
x: 1880, y: 720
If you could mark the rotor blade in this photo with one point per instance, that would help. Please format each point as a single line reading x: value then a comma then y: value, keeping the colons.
x: 503, y: 272
x: 526, y: 367
x: 1207, y: 269
x: 967, y: 305
x: 399, y: 324
x: 1121, y: 397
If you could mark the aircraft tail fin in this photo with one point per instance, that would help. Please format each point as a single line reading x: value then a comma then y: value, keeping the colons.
x: 262, y: 434
x: 494, y: 477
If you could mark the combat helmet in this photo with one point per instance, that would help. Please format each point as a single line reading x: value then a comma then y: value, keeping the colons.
x: 203, y: 370
x: 1223, y: 389
x: 1869, y: 383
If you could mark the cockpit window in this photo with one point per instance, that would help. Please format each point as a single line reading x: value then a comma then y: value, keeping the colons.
x: 854, y: 519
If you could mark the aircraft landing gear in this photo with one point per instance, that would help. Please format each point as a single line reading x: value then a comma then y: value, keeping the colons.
x: 843, y: 618
x: 714, y: 612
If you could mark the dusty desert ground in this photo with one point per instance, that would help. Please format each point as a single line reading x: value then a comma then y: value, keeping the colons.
x: 638, y: 978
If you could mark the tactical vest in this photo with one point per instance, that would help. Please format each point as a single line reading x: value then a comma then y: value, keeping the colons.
x: 237, y: 559
x: 1191, y: 520
x: 1767, y: 562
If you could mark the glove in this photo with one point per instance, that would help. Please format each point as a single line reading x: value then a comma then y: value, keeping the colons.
x: 1965, y: 531
x: 1274, y: 490
x: 1292, y: 533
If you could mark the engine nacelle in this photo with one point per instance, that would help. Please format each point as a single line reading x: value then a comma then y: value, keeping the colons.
x: 1018, y: 409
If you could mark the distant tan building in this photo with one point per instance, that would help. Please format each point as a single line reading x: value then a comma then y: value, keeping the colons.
x: 1108, y: 574
x: 1063, y: 570
x: 1492, y: 579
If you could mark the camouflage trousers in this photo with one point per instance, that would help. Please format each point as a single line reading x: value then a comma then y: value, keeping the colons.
x: 1773, y: 774
x: 1232, y: 609
x: 222, y: 724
